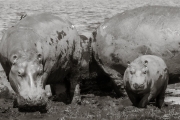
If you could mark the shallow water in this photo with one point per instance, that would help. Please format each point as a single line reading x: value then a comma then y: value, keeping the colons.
x: 86, y: 15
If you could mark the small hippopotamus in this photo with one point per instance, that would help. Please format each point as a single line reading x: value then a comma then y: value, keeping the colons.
x: 146, y: 79
x: 41, y: 49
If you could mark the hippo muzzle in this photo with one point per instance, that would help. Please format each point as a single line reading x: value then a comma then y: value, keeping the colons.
x: 138, y: 79
x: 28, y: 81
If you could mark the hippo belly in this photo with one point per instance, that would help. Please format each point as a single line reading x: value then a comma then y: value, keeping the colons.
x: 41, y: 49
x: 148, y: 30
x: 145, y: 79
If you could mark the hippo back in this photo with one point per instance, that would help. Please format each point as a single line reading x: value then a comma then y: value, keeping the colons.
x: 149, y: 30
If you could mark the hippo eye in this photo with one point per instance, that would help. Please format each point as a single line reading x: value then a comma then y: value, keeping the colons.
x: 14, y: 57
x: 145, y: 72
x: 21, y: 73
x: 40, y: 71
x: 132, y: 71
x: 39, y: 56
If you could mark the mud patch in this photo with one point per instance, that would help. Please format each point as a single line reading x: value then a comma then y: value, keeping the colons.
x: 92, y: 108
x: 61, y: 34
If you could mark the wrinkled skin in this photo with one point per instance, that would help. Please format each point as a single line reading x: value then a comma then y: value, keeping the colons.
x: 145, y: 79
x: 41, y: 49
x: 148, y: 30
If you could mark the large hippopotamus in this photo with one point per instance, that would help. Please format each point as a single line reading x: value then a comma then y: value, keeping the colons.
x: 41, y: 49
x: 148, y: 30
x: 145, y: 79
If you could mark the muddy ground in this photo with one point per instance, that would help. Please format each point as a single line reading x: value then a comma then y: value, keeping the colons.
x: 95, y: 105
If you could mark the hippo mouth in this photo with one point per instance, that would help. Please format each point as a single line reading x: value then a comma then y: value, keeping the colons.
x: 27, y: 108
x: 30, y: 106
x: 140, y: 91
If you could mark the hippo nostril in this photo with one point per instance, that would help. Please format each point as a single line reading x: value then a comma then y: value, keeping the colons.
x: 140, y: 86
x: 135, y: 86
x: 29, y: 98
x: 21, y: 72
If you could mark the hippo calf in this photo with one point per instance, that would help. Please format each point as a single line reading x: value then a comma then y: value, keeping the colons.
x: 41, y: 49
x: 145, y: 79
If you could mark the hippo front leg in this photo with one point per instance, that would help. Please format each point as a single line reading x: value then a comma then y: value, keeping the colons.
x: 144, y: 101
x: 134, y: 99
x: 76, y: 97
x: 160, y: 97
x: 160, y: 100
x: 60, y: 92
x: 117, y: 86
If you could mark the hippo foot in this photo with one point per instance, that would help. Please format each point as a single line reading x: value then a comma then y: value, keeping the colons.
x: 160, y: 103
x: 143, y: 104
x: 63, y: 97
x: 54, y: 98
x: 76, y: 100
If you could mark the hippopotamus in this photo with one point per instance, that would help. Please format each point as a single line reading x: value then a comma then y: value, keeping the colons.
x: 145, y: 79
x: 148, y: 30
x: 41, y: 49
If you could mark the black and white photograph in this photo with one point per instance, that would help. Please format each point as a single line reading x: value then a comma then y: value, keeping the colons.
x: 89, y: 59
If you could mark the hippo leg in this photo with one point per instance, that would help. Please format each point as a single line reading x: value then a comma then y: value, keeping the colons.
x: 144, y: 101
x: 134, y: 99
x: 117, y: 82
x: 59, y: 90
x: 116, y: 86
x: 160, y: 97
x: 68, y: 90
x: 107, y: 74
x: 76, y: 97
x: 52, y: 89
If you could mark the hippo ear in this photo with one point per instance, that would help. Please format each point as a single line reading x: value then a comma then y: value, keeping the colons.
x: 145, y: 63
x: 39, y: 57
x: 166, y: 70
x: 128, y: 64
x: 14, y: 59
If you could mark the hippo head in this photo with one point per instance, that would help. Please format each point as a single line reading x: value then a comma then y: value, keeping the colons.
x: 138, y: 76
x: 27, y: 79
